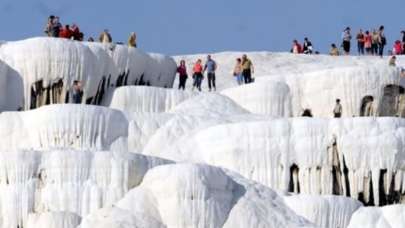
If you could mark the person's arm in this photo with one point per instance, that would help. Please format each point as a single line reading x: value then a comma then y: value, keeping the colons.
x: 252, y: 68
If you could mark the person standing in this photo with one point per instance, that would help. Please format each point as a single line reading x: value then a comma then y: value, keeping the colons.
x: 132, y: 40
x: 403, y: 41
x: 296, y: 48
x: 307, y: 47
x: 210, y: 67
x: 397, y: 49
x: 77, y: 35
x: 49, y: 26
x: 337, y: 111
x: 65, y: 32
x: 374, y: 44
x: 247, y: 69
x: 237, y: 71
x: 57, y: 26
x: 77, y: 92
x: 198, y: 75
x: 182, y: 71
x: 360, y: 42
x: 346, y: 37
x: 105, y: 37
x: 382, y: 41
x: 368, y: 43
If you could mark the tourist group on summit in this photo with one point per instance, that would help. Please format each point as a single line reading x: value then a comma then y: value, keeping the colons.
x: 370, y: 42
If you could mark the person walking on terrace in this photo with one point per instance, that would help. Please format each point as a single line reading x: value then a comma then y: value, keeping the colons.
x: 210, y: 67
x: 182, y: 71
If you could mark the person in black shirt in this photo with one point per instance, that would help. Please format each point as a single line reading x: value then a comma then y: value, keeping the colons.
x: 360, y: 42
x: 307, y: 48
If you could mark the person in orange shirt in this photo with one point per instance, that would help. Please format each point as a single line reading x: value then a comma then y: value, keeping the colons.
x: 65, y: 32
x: 368, y: 41
x: 198, y: 75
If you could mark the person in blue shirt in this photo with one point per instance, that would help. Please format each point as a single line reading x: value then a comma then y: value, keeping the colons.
x: 210, y: 67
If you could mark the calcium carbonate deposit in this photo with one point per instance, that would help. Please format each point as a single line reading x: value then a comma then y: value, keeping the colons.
x: 133, y: 152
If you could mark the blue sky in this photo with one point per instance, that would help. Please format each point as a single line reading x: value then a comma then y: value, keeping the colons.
x: 189, y: 26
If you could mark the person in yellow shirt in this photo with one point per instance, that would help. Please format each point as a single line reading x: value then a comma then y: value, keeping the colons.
x: 247, y: 69
x: 132, y: 40
x: 105, y: 37
x: 334, y: 51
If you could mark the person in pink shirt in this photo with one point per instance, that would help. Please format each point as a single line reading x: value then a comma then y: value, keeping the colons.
x: 368, y: 41
x: 397, y: 50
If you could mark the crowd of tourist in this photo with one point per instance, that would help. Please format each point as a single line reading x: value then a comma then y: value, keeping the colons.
x: 242, y: 72
x: 54, y: 28
x: 369, y: 42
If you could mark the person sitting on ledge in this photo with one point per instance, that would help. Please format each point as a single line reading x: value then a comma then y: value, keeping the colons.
x: 334, y: 51
x: 392, y: 61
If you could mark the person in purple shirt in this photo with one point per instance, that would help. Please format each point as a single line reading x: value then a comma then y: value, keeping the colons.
x: 182, y: 71
x: 210, y: 67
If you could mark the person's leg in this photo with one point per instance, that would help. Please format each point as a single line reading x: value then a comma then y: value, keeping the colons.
x: 375, y: 49
x: 239, y: 79
x: 244, y: 76
x: 182, y: 82
x: 362, y: 48
x: 381, y: 50
x: 209, y: 76
x: 359, y: 48
x: 213, y: 82
x: 200, y: 79
x: 185, y: 81
x: 249, y: 76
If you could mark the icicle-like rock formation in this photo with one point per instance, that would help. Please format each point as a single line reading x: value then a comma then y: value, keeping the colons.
x: 48, y: 68
x: 147, y: 99
x: 373, y: 217
x: 202, y: 196
x: 53, y: 220
x: 354, y: 86
x: 324, y: 211
x: 79, y: 182
x: 359, y: 157
x: 76, y: 126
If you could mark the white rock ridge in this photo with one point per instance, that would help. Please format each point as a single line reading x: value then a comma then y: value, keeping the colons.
x: 48, y: 67
x: 201, y: 196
